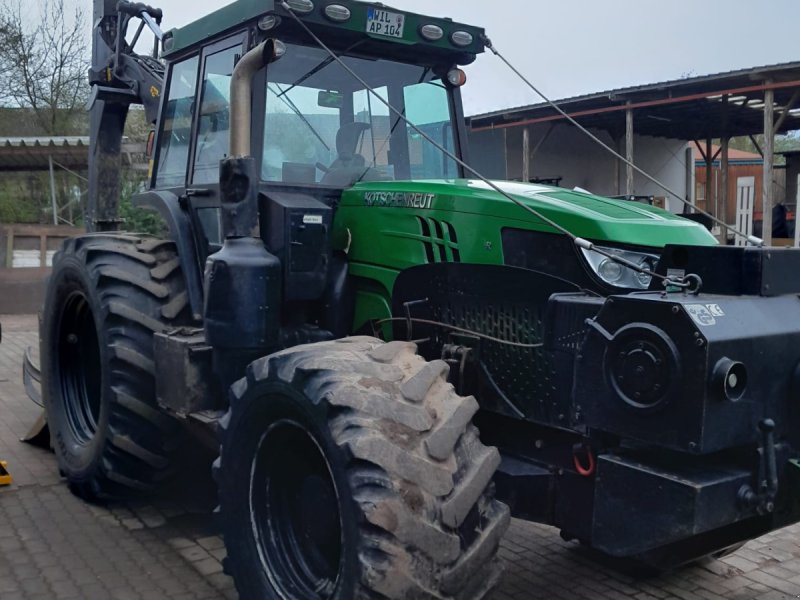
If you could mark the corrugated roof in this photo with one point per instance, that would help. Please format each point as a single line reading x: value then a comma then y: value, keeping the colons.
x: 72, y: 152
x: 658, y: 86
x: 733, y: 154
x: 34, y: 153
x: 689, y: 108
x: 69, y: 140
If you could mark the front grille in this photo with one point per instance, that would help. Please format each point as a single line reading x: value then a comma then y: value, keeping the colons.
x: 525, y: 376
x: 505, y: 303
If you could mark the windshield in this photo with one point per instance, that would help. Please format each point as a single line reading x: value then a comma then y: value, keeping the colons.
x: 322, y: 126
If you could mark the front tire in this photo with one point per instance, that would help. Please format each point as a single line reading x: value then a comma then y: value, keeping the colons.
x: 350, y: 469
x: 106, y: 298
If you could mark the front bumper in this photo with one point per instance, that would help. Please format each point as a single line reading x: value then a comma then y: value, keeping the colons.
x: 640, y: 505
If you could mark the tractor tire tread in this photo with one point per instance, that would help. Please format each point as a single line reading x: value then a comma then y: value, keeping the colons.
x: 148, y: 285
x: 175, y: 306
x: 139, y: 440
x: 414, y: 485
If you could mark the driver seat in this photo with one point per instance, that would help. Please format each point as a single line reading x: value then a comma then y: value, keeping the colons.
x: 348, y: 166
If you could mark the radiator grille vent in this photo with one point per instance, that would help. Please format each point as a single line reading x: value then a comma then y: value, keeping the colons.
x: 440, y: 240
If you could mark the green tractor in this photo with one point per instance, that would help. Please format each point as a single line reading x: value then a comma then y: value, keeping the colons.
x: 395, y: 357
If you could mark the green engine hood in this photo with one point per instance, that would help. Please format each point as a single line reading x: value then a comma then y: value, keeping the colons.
x: 585, y: 215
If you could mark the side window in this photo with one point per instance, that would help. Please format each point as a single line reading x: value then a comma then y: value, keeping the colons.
x: 213, y: 131
x: 176, y: 125
x: 299, y: 134
x: 427, y: 107
x: 375, y: 142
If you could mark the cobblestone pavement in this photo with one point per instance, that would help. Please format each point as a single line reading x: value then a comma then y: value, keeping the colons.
x: 53, y: 545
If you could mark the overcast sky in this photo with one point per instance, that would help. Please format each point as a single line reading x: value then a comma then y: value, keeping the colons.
x: 572, y: 47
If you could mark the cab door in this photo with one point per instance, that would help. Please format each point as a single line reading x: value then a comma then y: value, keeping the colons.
x: 212, y: 135
x: 194, y: 136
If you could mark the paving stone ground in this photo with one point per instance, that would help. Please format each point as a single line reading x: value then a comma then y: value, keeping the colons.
x: 53, y: 545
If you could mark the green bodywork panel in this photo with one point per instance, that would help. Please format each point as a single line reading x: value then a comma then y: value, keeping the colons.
x: 237, y: 13
x: 224, y: 19
x: 382, y: 227
x: 389, y: 226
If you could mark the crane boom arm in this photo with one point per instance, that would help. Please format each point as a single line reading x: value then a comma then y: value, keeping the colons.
x: 118, y: 77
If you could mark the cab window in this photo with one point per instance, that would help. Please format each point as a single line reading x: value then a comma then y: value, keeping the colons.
x: 301, y: 135
x: 176, y: 125
x: 375, y: 140
x: 323, y: 127
x: 213, y: 129
x: 427, y: 107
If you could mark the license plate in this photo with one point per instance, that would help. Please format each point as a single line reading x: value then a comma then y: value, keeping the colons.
x: 383, y: 22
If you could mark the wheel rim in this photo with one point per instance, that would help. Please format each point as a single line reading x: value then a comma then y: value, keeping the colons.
x: 295, y: 513
x: 79, y: 368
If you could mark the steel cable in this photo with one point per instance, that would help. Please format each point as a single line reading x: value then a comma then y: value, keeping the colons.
x: 749, y: 238
x: 578, y: 241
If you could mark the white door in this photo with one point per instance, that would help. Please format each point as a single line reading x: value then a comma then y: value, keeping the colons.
x: 745, y: 198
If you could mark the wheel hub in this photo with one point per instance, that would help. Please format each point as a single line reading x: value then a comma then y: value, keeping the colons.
x: 79, y: 368
x: 295, y: 513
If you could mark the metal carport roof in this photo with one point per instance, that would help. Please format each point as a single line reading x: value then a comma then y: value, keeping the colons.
x: 689, y: 109
x: 34, y: 153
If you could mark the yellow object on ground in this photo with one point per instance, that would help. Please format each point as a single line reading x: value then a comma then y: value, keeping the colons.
x: 5, y: 476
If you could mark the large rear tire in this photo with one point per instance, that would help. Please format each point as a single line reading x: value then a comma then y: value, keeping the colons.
x: 350, y: 469
x: 106, y: 298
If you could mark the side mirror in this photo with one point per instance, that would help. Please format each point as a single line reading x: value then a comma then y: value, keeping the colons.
x: 330, y: 99
x: 151, y: 140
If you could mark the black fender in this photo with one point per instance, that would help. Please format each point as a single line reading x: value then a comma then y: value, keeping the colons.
x: 177, y: 218
x: 339, y: 301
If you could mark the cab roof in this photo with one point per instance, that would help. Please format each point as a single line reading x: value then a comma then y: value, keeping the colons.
x: 242, y: 13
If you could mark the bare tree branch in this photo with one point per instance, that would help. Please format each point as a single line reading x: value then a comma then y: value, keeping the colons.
x: 43, y: 61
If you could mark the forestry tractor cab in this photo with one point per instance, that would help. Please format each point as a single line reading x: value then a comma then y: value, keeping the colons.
x: 396, y: 354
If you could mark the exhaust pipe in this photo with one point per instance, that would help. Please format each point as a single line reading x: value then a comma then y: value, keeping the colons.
x: 241, y: 93
x: 242, y: 280
x: 238, y: 176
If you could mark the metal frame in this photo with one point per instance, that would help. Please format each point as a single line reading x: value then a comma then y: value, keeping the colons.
x: 119, y: 77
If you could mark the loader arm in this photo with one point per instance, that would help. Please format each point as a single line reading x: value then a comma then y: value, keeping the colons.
x: 118, y: 77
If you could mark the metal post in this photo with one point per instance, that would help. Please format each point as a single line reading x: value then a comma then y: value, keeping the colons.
x: 629, y: 150
x: 43, y: 250
x: 505, y: 152
x: 690, y: 179
x: 10, y: 247
x: 769, y: 157
x: 53, y: 191
x: 709, y: 169
x: 724, y: 168
x: 796, y: 228
x: 725, y: 147
x: 526, y: 155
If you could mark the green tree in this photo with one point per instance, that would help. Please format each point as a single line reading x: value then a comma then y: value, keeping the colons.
x: 783, y: 143
x: 135, y: 219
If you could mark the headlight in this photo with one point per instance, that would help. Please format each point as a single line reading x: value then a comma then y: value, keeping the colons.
x: 617, y: 274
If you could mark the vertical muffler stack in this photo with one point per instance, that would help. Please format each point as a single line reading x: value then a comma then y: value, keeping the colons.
x: 242, y: 280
